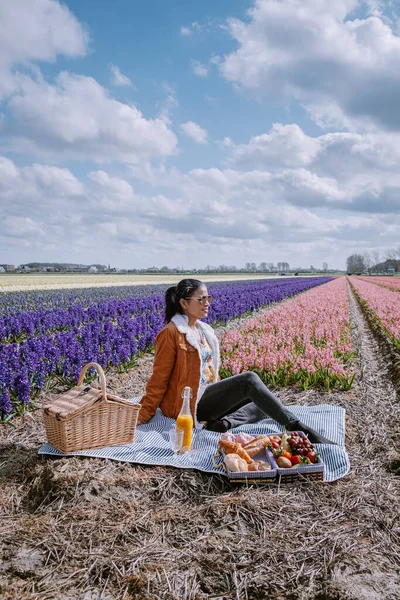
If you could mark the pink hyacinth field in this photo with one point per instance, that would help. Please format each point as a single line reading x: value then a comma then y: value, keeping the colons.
x: 304, y: 341
x: 388, y: 282
x: 385, y: 305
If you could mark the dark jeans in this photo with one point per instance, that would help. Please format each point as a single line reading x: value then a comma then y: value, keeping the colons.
x: 242, y: 399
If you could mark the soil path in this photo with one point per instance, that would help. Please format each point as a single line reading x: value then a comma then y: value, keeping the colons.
x: 74, y: 529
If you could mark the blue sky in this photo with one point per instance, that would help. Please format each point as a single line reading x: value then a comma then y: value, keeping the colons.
x: 186, y: 133
x: 144, y: 40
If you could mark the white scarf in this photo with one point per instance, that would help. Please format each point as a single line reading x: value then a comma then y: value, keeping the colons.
x: 181, y: 322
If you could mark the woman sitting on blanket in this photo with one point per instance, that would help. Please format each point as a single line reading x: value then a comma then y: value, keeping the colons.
x: 187, y: 354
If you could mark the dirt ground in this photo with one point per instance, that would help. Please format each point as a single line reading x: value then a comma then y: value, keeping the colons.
x: 91, y: 529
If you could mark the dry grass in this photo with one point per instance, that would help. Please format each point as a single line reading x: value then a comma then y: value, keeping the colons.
x: 93, y: 529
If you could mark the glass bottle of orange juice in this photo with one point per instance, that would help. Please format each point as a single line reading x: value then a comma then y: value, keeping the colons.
x: 185, y: 420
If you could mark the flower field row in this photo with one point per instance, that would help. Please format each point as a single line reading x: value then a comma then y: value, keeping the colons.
x: 48, y: 342
x: 12, y: 303
x: 385, y: 305
x: 95, y: 306
x: 306, y: 341
x: 388, y: 282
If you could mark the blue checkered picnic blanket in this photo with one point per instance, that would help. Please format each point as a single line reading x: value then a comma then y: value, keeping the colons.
x: 151, y: 445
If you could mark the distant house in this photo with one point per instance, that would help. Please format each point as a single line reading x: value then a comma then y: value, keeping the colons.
x: 2, y: 269
x: 391, y: 270
x: 8, y: 268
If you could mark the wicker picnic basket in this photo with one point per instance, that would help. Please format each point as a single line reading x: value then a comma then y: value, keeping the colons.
x: 85, y: 418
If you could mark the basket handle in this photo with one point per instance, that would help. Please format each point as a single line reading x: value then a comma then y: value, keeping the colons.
x: 101, y: 375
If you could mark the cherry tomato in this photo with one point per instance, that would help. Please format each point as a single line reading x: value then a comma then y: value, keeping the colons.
x: 286, y: 454
x: 274, y: 444
x: 295, y: 460
x: 311, y: 456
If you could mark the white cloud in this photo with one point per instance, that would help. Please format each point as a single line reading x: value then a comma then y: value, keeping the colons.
x: 237, y: 207
x: 231, y: 214
x: 8, y: 173
x: 118, y: 78
x: 22, y: 227
x: 284, y: 145
x: 343, y: 170
x: 225, y: 143
x: 317, y: 52
x: 112, y: 194
x: 39, y: 31
x: 199, y: 69
x: 194, y: 131
x: 170, y: 102
x: 73, y: 117
x: 36, y: 31
x: 211, y: 100
x: 188, y: 31
x: 56, y: 181
x: 76, y: 118
x: 376, y: 7
x: 355, y: 176
x: 36, y: 192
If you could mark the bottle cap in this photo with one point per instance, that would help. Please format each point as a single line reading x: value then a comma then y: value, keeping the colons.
x: 187, y: 393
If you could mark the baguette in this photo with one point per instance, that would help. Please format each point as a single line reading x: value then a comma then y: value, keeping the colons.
x: 255, y: 450
x: 257, y: 445
x: 256, y: 441
x: 233, y: 448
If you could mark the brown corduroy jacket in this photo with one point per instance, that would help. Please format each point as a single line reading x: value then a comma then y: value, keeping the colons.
x: 177, y: 363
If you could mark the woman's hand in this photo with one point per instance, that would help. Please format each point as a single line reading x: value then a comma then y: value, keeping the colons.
x: 141, y: 420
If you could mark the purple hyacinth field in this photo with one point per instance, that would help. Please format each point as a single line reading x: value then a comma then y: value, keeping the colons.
x: 47, y: 335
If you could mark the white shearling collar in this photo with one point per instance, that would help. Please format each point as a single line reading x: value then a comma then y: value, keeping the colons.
x: 181, y: 322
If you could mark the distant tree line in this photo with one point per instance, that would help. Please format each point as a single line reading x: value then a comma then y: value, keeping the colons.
x: 280, y: 267
x: 250, y: 267
x: 371, y: 262
x: 59, y: 267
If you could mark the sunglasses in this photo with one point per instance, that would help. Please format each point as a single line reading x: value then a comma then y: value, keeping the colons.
x: 202, y: 300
